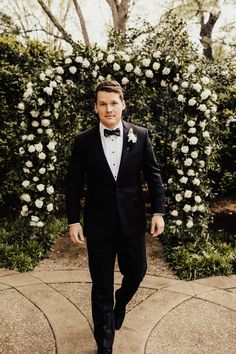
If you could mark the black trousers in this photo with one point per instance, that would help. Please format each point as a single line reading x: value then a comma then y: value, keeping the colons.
x: 131, y: 254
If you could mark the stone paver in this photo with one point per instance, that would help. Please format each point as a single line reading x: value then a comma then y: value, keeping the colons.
x: 49, y: 312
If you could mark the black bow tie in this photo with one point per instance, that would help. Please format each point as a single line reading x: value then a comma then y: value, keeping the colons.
x: 108, y: 132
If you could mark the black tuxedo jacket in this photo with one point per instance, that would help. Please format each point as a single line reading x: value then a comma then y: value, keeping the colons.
x: 109, y: 203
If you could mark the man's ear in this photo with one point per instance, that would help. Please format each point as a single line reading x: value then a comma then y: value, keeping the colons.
x: 95, y: 107
x: 124, y: 105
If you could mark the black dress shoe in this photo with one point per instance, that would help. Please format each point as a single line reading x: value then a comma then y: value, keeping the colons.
x: 119, y: 314
x: 104, y: 350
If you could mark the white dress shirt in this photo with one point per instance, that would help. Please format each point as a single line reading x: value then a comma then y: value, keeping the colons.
x: 112, y: 147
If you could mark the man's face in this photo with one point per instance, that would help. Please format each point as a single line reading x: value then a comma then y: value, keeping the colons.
x: 109, y: 107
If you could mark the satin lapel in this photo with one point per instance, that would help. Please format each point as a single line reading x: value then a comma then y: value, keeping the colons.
x: 125, y: 152
x: 97, y: 150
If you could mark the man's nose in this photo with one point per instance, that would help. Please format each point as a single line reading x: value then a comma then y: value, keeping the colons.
x: 109, y: 108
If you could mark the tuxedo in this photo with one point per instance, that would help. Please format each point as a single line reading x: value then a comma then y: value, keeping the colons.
x: 114, y: 216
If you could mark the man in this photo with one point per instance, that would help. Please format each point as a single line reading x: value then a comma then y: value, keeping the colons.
x: 109, y: 159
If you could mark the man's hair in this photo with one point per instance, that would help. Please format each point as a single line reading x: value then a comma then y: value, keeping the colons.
x: 109, y: 86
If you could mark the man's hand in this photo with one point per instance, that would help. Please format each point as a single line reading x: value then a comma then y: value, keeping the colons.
x: 157, y: 225
x: 76, y: 233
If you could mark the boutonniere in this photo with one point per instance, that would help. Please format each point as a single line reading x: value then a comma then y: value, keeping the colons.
x: 132, y: 138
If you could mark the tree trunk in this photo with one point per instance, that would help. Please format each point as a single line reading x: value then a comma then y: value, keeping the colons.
x: 119, y: 11
x: 82, y: 22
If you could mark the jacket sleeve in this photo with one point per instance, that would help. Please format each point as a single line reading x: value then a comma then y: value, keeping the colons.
x: 75, y: 181
x: 153, y: 178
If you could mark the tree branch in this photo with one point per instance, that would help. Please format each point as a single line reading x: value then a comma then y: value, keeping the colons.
x: 82, y: 22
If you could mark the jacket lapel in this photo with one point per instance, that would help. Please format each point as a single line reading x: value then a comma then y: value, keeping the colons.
x: 125, y: 152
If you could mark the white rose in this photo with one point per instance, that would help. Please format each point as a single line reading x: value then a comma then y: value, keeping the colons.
x: 116, y: 67
x: 192, y: 130
x: 176, y: 79
x: 31, y: 148
x: 24, y: 210
x: 174, y: 213
x: 184, y: 84
x: 166, y: 71
x: 26, y: 197
x: 72, y: 69
x: 191, y: 123
x: 202, y: 163
x: 68, y: 61
x: 40, y: 131
x: 79, y: 59
x: 205, y: 80
x: 42, y: 170
x: 192, y: 101
x: 38, y: 203
x: 196, y: 181
x: 28, y: 164
x: 110, y: 58
x: 188, y: 193
x: 197, y: 199
x: 157, y: 54
x: 124, y: 81
x: 125, y: 56
x: 214, y: 109
x: 86, y: 63
x: 156, y: 66
x: 50, y: 190
x: 25, y: 183
x: 181, y: 98
x: 60, y: 70
x: 206, y: 134
x: 174, y: 145
x: 23, y: 124
x: 146, y: 62
x: 194, y: 208
x: 188, y: 162
x: 191, y: 68
x: 180, y: 172
x: 170, y: 180
x: 42, y: 156
x: 51, y: 146
x: 205, y: 94
x: 179, y: 222
x: 40, y: 187
x: 138, y: 71
x: 45, y: 122
x: 51, y: 167
x: 34, y: 218
x: 100, y: 56
x: 214, y: 97
x: 208, y: 150
x: 129, y: 67
x: 21, y: 106
x: 49, y: 132
x: 163, y: 83
x: 187, y: 208
x: 178, y: 197
x: 35, y: 179
x: 40, y: 224
x: 40, y: 101
x: 50, y: 207
x: 49, y: 72
x: 48, y: 90
x: 46, y: 113
x: 194, y: 154
x: 175, y: 88
x: 193, y: 140
x: 149, y: 73
x: 201, y: 208
x: 38, y: 147
x: 35, y: 124
x: 183, y: 179
x: 30, y: 137
x: 202, y: 107
x: 53, y: 84
x: 197, y: 87
x: 189, y: 224
x: 185, y: 149
x: 42, y: 76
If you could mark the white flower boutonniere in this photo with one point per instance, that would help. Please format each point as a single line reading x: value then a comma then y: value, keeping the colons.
x: 132, y: 138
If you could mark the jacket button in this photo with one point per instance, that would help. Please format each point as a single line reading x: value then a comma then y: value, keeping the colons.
x: 117, y: 189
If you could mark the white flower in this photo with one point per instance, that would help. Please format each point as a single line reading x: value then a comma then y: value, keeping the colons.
x: 40, y: 224
x: 193, y: 140
x: 174, y: 213
x: 100, y: 56
x: 116, y: 67
x: 21, y: 106
x: 35, y: 124
x: 129, y: 67
x: 110, y: 58
x: 46, y: 113
x: 31, y: 148
x: 214, y: 97
x: 188, y: 193
x: 49, y: 132
x: 41, y: 101
x: 138, y: 71
x: 131, y: 136
x: 185, y: 149
x: 38, y: 203
x: 48, y: 90
x: 38, y: 147
x: 192, y: 130
x: 191, y: 123
x: 174, y: 145
x: 124, y: 81
x: 25, y: 183
x: 79, y: 59
x: 23, y: 124
x: 50, y: 190
x: 50, y: 207
x: 149, y: 73
x: 28, y: 92
x: 86, y: 63
x: 49, y: 72
x: 178, y: 197
x: 42, y: 156
x: 194, y: 208
x: 202, y: 107
x: 197, y: 87
x: 201, y: 208
x: 30, y: 137
x: 184, y: 84
x: 34, y: 218
x: 175, y: 88
x: 163, y: 83
x: 42, y: 170
x: 156, y: 66
x: 196, y: 181
x: 205, y: 80
x: 29, y: 164
x: 180, y: 172
x: 191, y: 68
x: 205, y: 94
x: 35, y: 179
x: 206, y: 134
x: 176, y: 79
x: 208, y: 150
x: 51, y: 167
x: 183, y: 179
x: 179, y: 222
x: 157, y: 54
x: 125, y: 56
x: 72, y: 69
x: 189, y: 224
x: 187, y: 208
x: 68, y: 61
x: 40, y: 131
x: 146, y: 62
x: 45, y: 122
x: 42, y: 76
x: 51, y: 145
x: 24, y: 210
x: 54, y: 158
x: 26, y: 197
x: 40, y: 187
x: 166, y: 71
x: 192, y: 101
x: 60, y: 70
x: 181, y: 98
x: 188, y: 162
x: 53, y: 84
x: 170, y: 180
x: 214, y: 109
x: 197, y: 199
x: 26, y: 170
x: 194, y: 154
